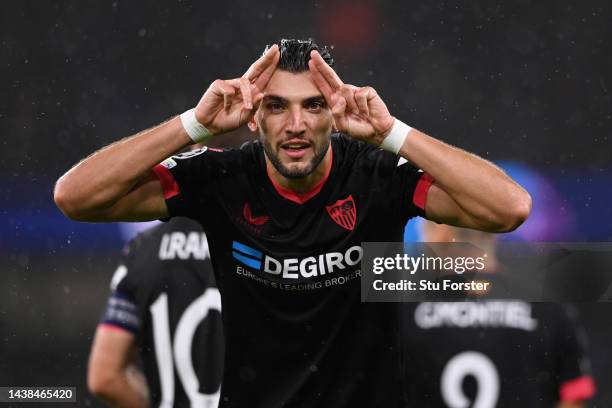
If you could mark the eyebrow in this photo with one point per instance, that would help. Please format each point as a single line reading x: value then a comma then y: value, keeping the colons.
x: 318, y: 98
x: 277, y: 98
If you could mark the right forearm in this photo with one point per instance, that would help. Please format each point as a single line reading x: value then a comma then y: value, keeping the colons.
x: 100, y: 180
x: 116, y: 184
x: 122, y: 394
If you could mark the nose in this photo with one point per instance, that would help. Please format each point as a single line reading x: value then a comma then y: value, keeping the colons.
x: 296, y: 125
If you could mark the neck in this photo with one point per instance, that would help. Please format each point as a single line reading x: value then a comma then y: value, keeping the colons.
x: 302, y: 184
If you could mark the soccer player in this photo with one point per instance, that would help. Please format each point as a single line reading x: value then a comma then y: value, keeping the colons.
x: 492, y: 353
x: 164, y: 307
x: 286, y: 216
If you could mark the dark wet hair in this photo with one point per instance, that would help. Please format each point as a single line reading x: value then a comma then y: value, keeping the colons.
x: 295, y: 54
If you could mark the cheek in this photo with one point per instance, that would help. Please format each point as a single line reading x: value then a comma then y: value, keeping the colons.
x: 270, y: 124
x: 321, y: 123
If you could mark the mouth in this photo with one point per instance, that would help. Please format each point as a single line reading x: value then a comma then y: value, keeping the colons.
x: 295, y: 149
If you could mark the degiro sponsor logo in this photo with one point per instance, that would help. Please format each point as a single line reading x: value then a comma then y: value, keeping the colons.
x: 294, y: 268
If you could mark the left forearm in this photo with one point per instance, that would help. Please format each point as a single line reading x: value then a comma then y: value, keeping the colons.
x: 478, y: 187
x: 470, y: 191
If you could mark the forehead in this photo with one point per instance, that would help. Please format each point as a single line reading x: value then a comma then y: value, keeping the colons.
x: 292, y: 86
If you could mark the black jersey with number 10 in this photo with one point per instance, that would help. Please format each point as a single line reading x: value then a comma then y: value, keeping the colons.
x: 164, y: 292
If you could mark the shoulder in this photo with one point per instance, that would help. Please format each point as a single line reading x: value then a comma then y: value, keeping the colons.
x: 357, y: 154
x: 174, y: 224
x: 347, y: 145
x: 207, y: 166
x: 143, y: 253
x: 216, y: 158
x: 148, y: 241
x: 556, y: 315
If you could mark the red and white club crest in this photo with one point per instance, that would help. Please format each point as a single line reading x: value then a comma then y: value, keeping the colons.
x: 343, y: 212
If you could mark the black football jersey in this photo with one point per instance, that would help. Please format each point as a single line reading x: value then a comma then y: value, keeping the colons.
x: 288, y: 268
x: 493, y: 353
x: 164, y: 292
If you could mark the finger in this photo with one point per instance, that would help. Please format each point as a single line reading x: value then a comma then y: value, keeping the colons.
x: 328, y: 73
x: 223, y: 89
x: 230, y: 90
x: 228, y: 98
x: 339, y: 113
x: 259, y: 66
x: 257, y: 98
x: 348, y: 92
x: 321, y: 83
x: 262, y: 80
x: 245, y: 89
x: 361, y: 97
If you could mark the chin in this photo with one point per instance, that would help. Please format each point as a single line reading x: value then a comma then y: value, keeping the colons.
x: 295, y: 170
x: 298, y: 170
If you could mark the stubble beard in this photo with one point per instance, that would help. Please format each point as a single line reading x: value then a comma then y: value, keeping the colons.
x: 298, y: 172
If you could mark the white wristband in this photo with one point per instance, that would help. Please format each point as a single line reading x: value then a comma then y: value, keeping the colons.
x: 196, y: 131
x: 395, y: 139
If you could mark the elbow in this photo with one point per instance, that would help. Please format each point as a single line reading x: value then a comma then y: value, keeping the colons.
x: 68, y: 203
x: 507, y: 217
x: 99, y: 384
x: 63, y: 201
x: 516, y: 213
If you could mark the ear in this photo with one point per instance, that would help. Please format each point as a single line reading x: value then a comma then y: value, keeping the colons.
x: 334, y: 127
x: 252, y: 124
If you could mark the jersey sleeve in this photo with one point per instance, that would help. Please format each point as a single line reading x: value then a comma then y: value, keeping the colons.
x: 122, y: 310
x: 408, y: 188
x: 188, y: 180
x: 575, y: 380
x: 415, y: 185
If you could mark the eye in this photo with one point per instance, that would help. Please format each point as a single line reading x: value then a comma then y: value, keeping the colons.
x: 275, y: 107
x: 315, y: 106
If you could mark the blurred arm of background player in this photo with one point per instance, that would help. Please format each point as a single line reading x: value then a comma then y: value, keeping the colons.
x: 571, y: 405
x: 112, y: 374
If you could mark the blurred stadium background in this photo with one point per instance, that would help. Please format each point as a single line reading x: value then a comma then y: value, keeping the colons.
x: 524, y: 83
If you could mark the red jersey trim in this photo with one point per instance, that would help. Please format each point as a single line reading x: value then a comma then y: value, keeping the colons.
x: 114, y: 327
x: 420, y: 192
x: 578, y: 389
x: 301, y: 198
x: 167, y: 181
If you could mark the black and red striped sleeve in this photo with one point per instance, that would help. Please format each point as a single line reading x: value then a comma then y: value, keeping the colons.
x: 576, y: 382
x: 419, y: 195
x: 186, y: 181
x: 410, y: 188
x: 122, y: 311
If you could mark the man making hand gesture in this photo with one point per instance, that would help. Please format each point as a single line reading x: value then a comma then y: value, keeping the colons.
x: 286, y: 215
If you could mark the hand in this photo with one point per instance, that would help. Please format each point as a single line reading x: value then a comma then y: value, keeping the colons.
x: 229, y: 104
x: 358, y: 112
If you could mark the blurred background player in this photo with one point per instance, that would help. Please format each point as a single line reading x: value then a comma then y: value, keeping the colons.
x: 166, y: 307
x: 492, y: 353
